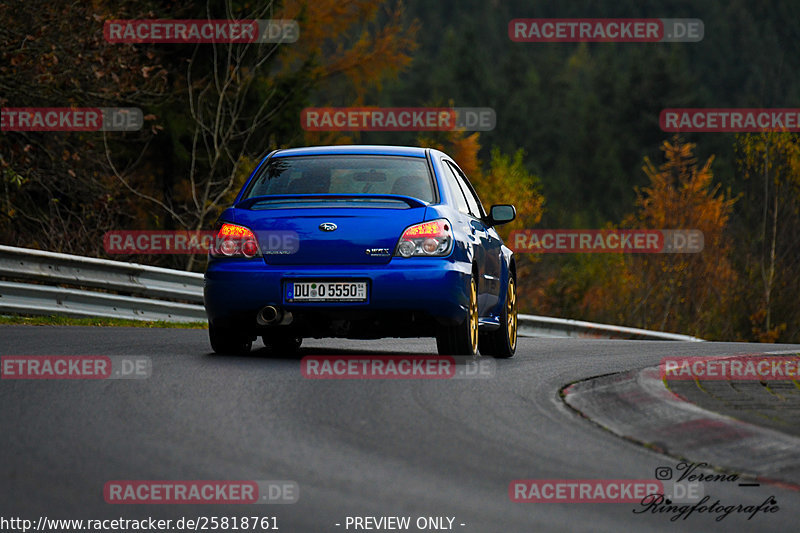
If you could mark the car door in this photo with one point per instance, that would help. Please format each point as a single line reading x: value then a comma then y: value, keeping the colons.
x: 486, y: 243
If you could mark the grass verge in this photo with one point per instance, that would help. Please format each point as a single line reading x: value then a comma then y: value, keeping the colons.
x: 55, y: 320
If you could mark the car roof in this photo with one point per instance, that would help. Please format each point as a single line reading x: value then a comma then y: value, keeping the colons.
x: 353, y: 149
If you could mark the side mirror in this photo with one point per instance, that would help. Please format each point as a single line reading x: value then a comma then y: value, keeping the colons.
x: 501, y: 214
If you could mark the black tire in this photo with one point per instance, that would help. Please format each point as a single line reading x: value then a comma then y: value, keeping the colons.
x: 502, y: 342
x: 229, y: 341
x: 463, y: 338
x: 281, y: 344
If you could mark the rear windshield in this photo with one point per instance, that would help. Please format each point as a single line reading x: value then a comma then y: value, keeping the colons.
x: 344, y: 174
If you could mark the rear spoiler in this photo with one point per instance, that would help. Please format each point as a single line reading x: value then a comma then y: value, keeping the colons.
x: 249, y: 202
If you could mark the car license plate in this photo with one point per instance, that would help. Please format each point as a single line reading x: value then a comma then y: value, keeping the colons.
x: 326, y: 291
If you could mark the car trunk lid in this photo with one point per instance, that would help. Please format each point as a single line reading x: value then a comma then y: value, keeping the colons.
x: 329, y: 230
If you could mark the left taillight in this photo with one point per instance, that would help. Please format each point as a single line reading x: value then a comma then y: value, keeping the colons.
x: 233, y: 240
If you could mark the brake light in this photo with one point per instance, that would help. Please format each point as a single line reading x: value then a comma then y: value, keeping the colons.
x: 235, y: 241
x: 428, y: 239
x: 426, y: 229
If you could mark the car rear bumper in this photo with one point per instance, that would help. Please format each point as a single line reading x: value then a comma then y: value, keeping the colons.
x: 425, y: 288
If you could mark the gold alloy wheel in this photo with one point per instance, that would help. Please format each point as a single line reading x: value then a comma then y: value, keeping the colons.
x: 473, y: 316
x: 511, y: 314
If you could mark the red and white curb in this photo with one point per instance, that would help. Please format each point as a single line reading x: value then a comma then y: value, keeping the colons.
x: 637, y: 406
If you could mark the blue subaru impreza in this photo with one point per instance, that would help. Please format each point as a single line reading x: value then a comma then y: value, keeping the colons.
x: 361, y: 242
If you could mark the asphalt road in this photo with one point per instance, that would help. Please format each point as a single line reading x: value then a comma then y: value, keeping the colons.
x: 356, y: 447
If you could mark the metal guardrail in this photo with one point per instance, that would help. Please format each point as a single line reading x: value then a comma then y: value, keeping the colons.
x: 545, y: 326
x: 136, y: 288
x: 142, y: 285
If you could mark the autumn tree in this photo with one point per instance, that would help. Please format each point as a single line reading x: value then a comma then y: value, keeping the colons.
x: 681, y: 292
x: 245, y: 99
x: 57, y: 189
x: 769, y: 242
x: 505, y: 181
x: 352, y: 49
x: 212, y: 110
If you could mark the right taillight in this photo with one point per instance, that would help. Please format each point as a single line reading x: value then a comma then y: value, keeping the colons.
x: 427, y: 239
x: 235, y: 241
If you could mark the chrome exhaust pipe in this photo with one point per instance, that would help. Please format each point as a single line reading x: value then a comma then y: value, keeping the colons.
x: 269, y: 315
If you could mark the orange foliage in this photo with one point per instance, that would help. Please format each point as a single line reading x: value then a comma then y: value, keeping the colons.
x: 770, y: 248
x: 686, y: 293
x: 506, y: 182
x: 336, y: 35
x: 341, y: 38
